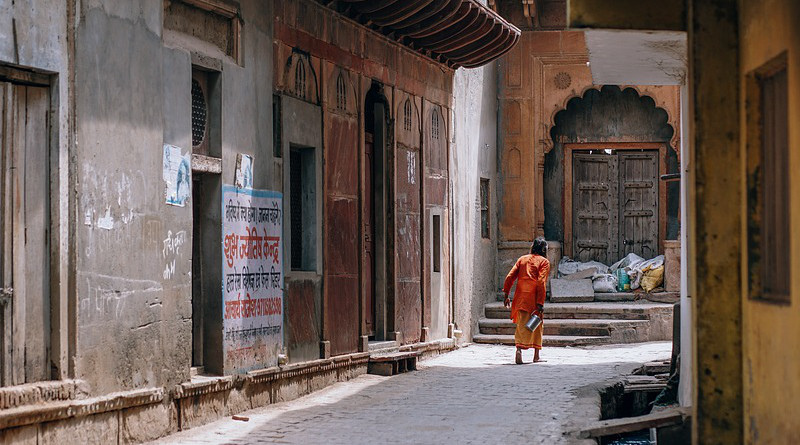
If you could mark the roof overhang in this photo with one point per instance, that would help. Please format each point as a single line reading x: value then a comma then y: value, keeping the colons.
x: 458, y: 33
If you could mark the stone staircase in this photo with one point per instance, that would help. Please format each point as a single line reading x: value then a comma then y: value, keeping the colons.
x: 585, y: 323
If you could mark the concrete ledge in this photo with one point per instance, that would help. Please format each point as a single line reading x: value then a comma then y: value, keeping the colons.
x: 53, y: 411
x: 147, y: 414
x: 41, y: 392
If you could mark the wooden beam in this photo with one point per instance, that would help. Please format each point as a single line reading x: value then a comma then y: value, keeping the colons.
x: 675, y: 416
x: 627, y: 14
x: 715, y: 224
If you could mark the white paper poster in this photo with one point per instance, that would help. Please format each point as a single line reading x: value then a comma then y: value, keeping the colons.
x: 252, y: 281
x: 244, y: 171
x: 176, y: 172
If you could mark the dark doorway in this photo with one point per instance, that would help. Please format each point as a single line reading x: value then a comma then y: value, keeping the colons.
x: 376, y: 209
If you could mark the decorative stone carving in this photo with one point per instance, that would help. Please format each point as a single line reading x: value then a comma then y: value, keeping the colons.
x: 562, y: 80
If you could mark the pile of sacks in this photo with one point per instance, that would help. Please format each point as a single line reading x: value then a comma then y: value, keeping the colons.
x: 629, y: 273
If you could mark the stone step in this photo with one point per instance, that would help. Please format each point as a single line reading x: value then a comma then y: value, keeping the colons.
x: 596, y: 310
x: 658, y: 297
x: 547, y: 340
x: 567, y: 326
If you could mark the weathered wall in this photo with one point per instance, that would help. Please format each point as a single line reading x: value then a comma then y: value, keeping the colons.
x: 134, y: 251
x: 336, y: 45
x: 474, y: 156
x: 33, y: 35
x: 771, y: 333
x: 303, y: 302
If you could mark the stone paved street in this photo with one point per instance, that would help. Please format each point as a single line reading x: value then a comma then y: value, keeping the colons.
x: 473, y: 395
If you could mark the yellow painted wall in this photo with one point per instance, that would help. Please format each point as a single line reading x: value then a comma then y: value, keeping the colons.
x: 771, y: 333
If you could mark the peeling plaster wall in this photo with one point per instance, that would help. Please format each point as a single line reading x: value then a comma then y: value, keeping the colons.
x: 134, y: 252
x: 473, y: 155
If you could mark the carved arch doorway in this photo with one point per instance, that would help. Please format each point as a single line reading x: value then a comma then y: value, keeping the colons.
x: 606, y: 128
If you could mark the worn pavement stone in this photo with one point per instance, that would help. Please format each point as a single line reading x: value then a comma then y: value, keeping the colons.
x: 474, y: 395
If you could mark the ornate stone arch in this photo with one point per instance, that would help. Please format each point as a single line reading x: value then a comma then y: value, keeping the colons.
x: 300, y: 78
x: 663, y: 98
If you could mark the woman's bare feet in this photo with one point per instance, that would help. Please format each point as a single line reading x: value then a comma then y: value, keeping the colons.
x: 536, y: 358
x: 518, y: 358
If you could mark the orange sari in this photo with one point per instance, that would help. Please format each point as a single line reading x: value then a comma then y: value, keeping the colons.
x: 531, y: 273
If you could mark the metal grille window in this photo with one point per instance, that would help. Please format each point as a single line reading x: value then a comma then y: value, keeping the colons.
x: 485, y: 223
x: 199, y: 114
x: 341, y: 93
x: 407, y: 115
x: 300, y: 80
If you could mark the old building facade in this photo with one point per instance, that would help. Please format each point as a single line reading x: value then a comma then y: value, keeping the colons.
x: 210, y: 187
x: 562, y: 132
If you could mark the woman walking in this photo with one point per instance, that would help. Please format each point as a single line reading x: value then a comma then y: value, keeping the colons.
x: 531, y: 273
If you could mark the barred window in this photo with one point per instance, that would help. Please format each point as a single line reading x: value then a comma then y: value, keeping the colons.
x: 485, y: 223
x: 199, y: 114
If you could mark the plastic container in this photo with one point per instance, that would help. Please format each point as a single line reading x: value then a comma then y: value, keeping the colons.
x: 623, y: 280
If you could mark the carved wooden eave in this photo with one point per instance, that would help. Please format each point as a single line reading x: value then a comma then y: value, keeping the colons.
x: 529, y: 10
x: 458, y: 33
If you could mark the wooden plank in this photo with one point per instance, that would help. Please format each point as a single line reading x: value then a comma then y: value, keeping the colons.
x: 36, y: 235
x: 6, y: 139
x: 674, y: 416
x: 23, y: 76
x: 18, y: 242
x: 647, y: 387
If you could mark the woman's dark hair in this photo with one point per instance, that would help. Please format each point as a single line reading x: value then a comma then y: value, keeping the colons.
x: 539, y: 247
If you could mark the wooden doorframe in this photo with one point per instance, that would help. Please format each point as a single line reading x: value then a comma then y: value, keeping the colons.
x: 570, y: 148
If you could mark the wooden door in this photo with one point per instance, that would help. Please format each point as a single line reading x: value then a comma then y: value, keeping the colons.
x: 638, y: 197
x: 369, y: 238
x: 594, y: 207
x: 25, y: 220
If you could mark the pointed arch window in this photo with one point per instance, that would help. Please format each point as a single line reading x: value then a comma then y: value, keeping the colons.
x: 435, y: 125
x: 341, y: 93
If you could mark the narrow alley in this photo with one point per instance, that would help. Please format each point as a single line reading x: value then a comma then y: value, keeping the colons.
x: 347, y: 221
x: 473, y: 395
